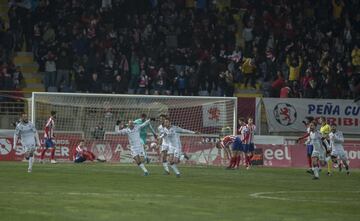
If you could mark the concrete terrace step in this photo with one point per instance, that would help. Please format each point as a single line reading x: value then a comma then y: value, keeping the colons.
x: 33, y: 75
x: 24, y: 59
x: 248, y: 95
x: 39, y: 89
x: 29, y: 68
x: 36, y: 80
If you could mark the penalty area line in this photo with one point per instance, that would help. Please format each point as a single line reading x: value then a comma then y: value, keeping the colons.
x: 287, y: 197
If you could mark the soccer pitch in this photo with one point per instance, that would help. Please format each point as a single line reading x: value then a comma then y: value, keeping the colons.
x: 120, y: 192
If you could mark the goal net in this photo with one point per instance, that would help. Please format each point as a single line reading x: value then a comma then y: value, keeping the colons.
x: 93, y: 117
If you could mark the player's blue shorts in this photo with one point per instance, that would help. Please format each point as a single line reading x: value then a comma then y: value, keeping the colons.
x: 49, y: 143
x: 237, y: 145
x: 79, y: 160
x: 249, y: 147
x: 309, y: 149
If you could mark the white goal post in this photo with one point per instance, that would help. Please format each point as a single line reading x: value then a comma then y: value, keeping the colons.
x: 210, y: 116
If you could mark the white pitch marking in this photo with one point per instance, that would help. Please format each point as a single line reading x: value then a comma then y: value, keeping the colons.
x: 265, y: 195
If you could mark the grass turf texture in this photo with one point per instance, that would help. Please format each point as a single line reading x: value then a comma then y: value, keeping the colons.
x: 120, y: 192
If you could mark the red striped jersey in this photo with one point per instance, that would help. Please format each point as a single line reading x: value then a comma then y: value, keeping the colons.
x: 245, y: 134
x: 227, y: 140
x: 49, y: 128
x: 252, y: 129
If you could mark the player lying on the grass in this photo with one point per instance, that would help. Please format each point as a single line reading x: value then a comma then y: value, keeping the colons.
x: 337, y: 149
x: 29, y: 137
x: 49, y: 138
x: 164, y: 146
x: 171, y: 136
x: 143, y: 133
x: 81, y: 154
x: 136, y: 147
x: 309, y: 146
x: 236, y: 148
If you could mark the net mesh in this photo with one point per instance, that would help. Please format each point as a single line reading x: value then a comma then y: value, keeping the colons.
x: 79, y: 115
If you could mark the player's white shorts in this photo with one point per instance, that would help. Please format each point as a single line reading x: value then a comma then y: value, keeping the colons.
x: 137, y: 151
x: 29, y: 148
x: 164, y: 148
x: 339, y: 153
x: 318, y: 152
x: 175, y: 150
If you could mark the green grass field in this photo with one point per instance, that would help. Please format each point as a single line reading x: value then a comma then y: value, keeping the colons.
x: 119, y: 192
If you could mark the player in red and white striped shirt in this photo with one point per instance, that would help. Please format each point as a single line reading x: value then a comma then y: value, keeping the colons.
x: 81, y: 154
x: 236, y: 147
x: 249, y: 151
x: 49, y: 138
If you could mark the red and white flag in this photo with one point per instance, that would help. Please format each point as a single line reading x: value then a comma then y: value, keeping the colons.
x: 214, y: 115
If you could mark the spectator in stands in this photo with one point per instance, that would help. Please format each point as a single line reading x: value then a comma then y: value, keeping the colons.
x: 50, y: 70
x: 181, y: 83
x: 98, y: 132
x: 63, y: 66
x: 308, y: 85
x: 18, y: 78
x: 95, y: 85
x: 277, y: 85
x: 355, y: 55
x: 285, y: 91
x: 119, y: 85
x: 294, y: 62
x: 118, y: 38
x: 143, y: 83
x: 248, y: 69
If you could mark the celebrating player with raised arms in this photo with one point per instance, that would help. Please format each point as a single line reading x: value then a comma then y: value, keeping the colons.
x: 29, y: 137
x: 136, y: 146
x: 143, y: 133
x: 171, y: 136
x: 49, y: 138
x: 337, y: 149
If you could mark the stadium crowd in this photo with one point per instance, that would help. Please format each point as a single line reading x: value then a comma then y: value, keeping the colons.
x: 285, y: 48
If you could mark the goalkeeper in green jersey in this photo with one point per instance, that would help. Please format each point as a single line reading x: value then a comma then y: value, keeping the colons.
x: 143, y: 133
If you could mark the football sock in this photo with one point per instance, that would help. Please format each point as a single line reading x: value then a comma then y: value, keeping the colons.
x: 316, y: 171
x: 42, y: 153
x: 309, y: 161
x: 329, y: 165
x: 142, y: 166
x: 232, y: 162
x: 238, y: 161
x: 52, y: 153
x: 175, y: 169
x: 166, y: 166
x: 31, y: 161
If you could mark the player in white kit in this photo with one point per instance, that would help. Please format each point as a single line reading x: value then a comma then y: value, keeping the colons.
x: 164, y: 146
x: 171, y: 136
x: 29, y: 137
x: 319, y: 152
x: 337, y: 149
x: 137, y: 148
